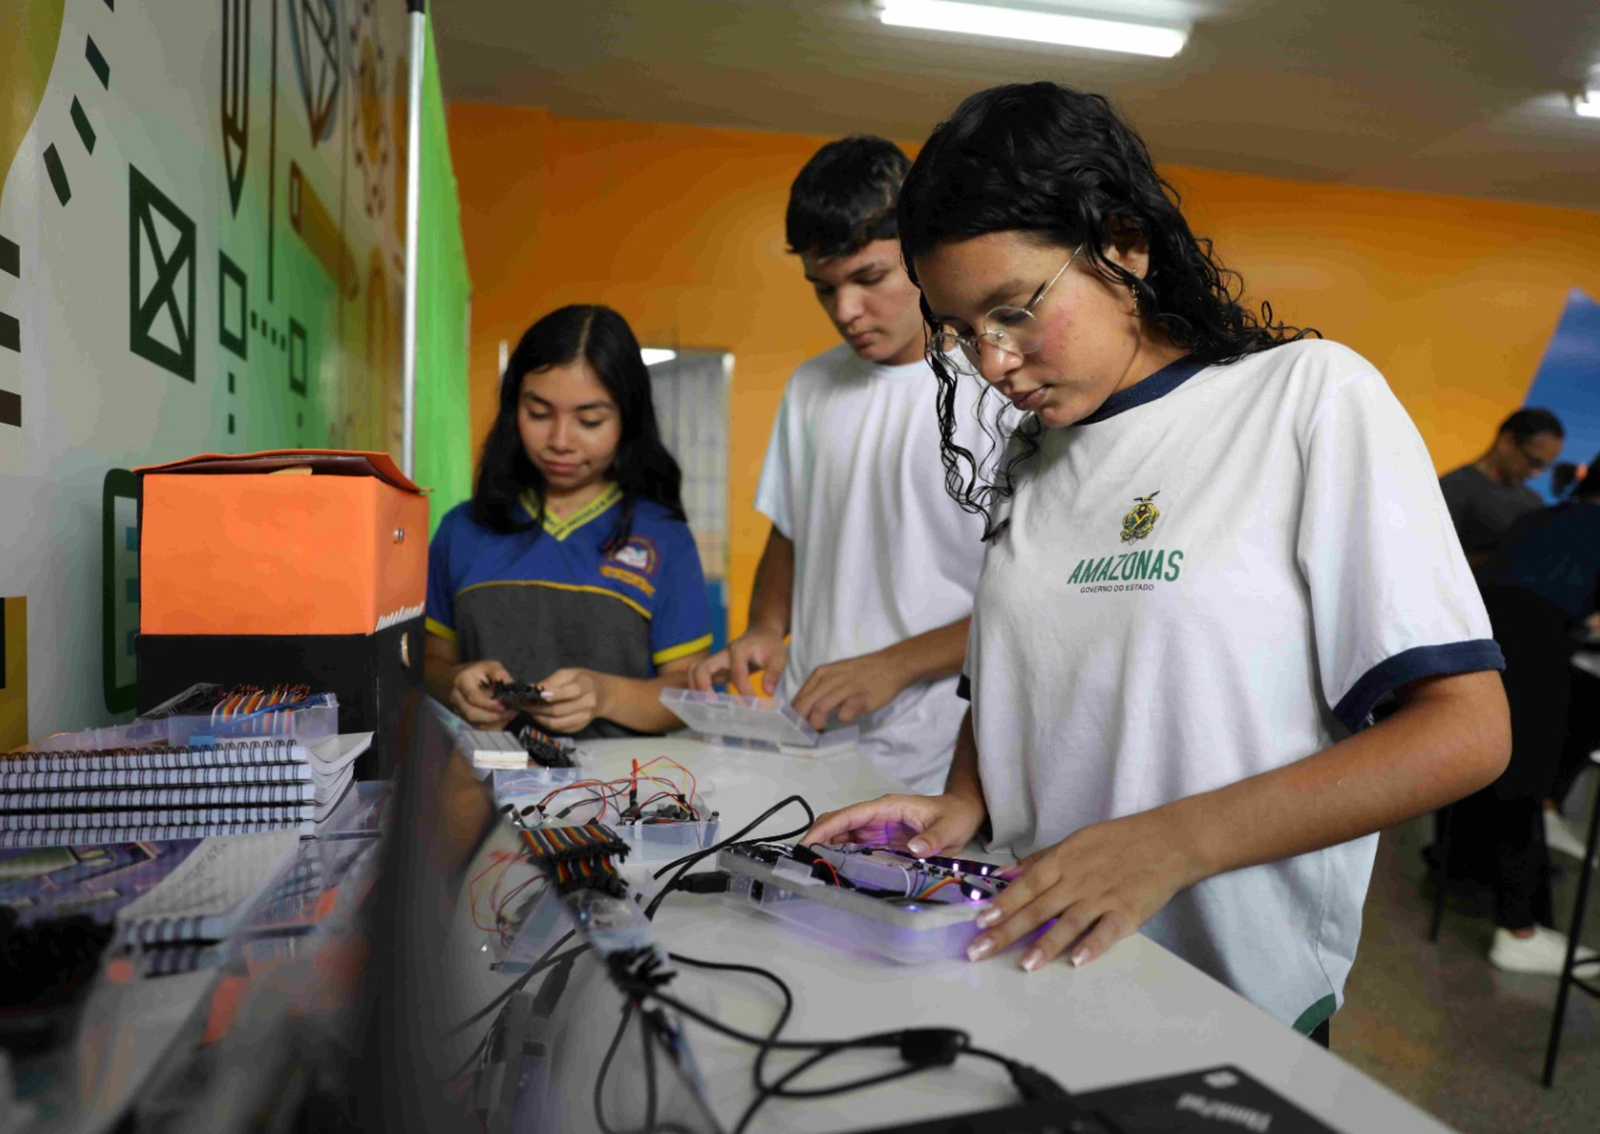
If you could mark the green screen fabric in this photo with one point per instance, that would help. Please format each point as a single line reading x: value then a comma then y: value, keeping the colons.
x: 444, y: 295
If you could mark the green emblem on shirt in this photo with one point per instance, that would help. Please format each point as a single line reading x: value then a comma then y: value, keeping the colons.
x: 1142, y: 520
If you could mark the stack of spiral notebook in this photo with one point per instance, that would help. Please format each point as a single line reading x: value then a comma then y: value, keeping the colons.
x: 86, y: 797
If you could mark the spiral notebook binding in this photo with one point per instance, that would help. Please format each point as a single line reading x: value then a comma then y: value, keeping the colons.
x: 223, y: 754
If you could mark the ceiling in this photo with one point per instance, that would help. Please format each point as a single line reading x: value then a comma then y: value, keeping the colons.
x: 1466, y: 97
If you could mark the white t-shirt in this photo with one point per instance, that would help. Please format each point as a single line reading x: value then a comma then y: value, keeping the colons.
x: 882, y: 553
x: 1215, y: 575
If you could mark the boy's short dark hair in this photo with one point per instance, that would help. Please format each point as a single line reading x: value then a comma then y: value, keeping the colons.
x: 845, y: 197
x: 1528, y: 423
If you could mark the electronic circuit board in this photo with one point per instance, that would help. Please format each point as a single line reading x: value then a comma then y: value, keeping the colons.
x: 888, y: 901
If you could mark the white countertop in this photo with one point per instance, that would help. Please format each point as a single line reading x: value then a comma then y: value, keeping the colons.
x: 1138, y: 1012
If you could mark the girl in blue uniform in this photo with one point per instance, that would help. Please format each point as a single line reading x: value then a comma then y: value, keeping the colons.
x: 572, y: 566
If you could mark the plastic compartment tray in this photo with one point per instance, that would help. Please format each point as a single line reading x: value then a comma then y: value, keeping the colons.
x: 316, y: 721
x: 757, y: 721
x: 534, y: 780
x: 663, y: 842
x: 912, y: 933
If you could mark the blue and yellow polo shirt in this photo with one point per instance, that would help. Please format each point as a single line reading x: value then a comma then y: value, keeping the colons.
x: 541, y: 604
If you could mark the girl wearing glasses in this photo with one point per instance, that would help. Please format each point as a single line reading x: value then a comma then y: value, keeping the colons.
x: 1215, y: 544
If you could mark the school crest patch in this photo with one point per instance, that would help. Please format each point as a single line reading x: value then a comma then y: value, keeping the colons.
x: 637, y: 555
x: 633, y: 563
x: 1140, y: 522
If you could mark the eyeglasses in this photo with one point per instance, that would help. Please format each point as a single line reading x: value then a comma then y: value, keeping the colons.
x: 1537, y: 464
x: 1015, y: 330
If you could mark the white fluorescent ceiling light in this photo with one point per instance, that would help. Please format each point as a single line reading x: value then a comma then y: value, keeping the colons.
x: 1587, y: 105
x: 1034, y: 26
x: 653, y: 355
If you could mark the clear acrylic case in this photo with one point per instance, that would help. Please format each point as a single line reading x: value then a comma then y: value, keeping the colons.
x: 663, y: 842
x: 910, y: 932
x: 765, y: 723
x: 310, y: 723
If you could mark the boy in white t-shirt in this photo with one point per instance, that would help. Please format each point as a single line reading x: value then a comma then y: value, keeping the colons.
x: 870, y: 566
x: 1213, y: 547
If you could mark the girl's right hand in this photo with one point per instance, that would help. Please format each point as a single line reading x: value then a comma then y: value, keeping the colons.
x: 921, y: 824
x: 470, y: 697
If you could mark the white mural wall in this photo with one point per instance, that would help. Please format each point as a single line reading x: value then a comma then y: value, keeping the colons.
x: 200, y: 251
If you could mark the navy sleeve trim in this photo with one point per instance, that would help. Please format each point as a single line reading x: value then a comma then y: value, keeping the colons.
x: 964, y: 688
x: 1354, y: 709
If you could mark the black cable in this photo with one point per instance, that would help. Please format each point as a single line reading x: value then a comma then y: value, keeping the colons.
x: 685, y: 863
x: 477, y: 1054
x: 922, y: 1048
x: 545, y: 962
x: 605, y: 1068
x: 875, y: 1039
x: 777, y: 1091
x: 783, y: 1017
x: 696, y: 856
x: 650, y: 1099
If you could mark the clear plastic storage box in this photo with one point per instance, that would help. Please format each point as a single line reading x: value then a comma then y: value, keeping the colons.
x: 657, y: 842
x: 310, y: 721
x: 768, y: 723
x: 663, y: 842
x: 520, y: 784
x: 908, y: 931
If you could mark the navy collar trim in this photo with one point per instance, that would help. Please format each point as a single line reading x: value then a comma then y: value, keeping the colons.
x: 1157, y: 385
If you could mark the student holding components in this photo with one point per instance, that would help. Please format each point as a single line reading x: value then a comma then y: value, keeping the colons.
x: 1212, y: 548
x: 572, y: 565
x: 869, y: 568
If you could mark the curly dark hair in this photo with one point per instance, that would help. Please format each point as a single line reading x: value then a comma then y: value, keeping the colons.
x: 642, y: 467
x: 1062, y: 166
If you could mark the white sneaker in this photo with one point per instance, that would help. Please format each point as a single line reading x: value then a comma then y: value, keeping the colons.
x: 1544, y: 953
x: 1560, y: 837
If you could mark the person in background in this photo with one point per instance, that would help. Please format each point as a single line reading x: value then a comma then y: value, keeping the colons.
x: 1539, y: 586
x: 572, y: 566
x: 869, y: 567
x: 1213, y: 546
x: 1489, y: 495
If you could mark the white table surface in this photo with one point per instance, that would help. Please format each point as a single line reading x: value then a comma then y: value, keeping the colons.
x: 1137, y: 1012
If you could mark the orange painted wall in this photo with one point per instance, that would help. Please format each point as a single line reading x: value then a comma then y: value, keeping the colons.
x: 681, y: 229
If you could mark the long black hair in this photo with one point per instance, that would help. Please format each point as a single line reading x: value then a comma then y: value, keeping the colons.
x: 1062, y: 166
x: 642, y: 466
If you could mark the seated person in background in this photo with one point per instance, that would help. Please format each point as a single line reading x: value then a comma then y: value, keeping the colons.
x: 572, y: 565
x: 870, y: 566
x: 1539, y: 587
x: 1486, y: 497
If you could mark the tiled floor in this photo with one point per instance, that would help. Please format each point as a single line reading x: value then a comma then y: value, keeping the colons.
x: 1438, y: 1025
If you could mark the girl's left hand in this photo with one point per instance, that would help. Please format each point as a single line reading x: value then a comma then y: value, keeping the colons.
x: 1101, y: 883
x: 573, y: 698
